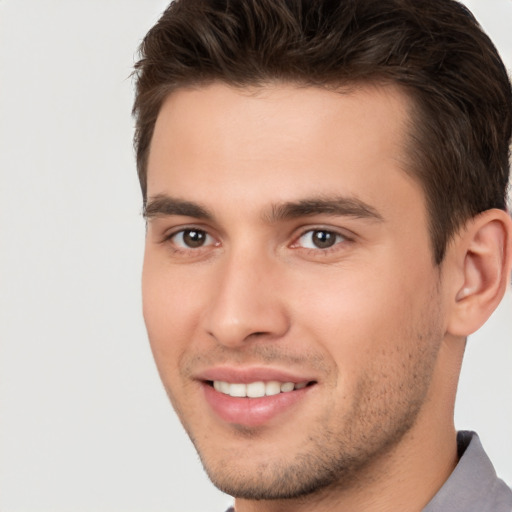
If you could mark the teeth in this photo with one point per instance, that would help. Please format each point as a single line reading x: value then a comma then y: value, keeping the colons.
x: 287, y: 386
x: 256, y: 389
x: 272, y: 388
x: 238, y: 390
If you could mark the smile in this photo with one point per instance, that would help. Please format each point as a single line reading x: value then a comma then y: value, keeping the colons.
x: 257, y: 389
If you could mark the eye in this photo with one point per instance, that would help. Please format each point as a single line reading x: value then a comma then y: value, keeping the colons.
x: 192, y: 239
x: 319, y: 239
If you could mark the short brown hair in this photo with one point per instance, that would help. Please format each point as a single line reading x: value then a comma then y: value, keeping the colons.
x: 434, y: 49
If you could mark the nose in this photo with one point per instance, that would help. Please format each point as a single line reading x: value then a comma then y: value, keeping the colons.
x: 247, y: 303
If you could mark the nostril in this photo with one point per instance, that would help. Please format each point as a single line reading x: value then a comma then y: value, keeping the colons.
x: 258, y: 334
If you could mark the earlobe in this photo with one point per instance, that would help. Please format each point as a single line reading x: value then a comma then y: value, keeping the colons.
x: 485, y: 258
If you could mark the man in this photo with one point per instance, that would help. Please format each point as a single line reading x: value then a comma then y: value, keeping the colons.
x: 324, y: 185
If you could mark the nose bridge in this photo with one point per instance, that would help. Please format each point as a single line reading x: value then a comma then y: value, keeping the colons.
x: 246, y: 301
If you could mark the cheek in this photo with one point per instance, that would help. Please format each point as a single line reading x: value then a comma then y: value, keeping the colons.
x: 169, y: 292
x: 357, y: 314
x: 170, y: 309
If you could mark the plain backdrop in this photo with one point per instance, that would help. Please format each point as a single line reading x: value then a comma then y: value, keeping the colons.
x: 84, y: 422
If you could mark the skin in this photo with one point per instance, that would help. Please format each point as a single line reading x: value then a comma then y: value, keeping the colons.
x: 367, y: 320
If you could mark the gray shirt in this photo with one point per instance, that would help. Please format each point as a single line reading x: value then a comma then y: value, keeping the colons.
x: 473, y: 486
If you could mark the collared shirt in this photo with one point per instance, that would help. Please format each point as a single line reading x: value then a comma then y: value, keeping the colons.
x: 473, y: 486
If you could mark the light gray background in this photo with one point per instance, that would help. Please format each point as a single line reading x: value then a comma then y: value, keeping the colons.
x: 84, y: 422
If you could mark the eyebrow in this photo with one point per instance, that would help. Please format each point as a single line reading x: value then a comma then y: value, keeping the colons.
x: 164, y: 205
x: 338, y: 206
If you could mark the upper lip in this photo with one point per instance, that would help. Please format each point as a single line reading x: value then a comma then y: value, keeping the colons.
x: 251, y: 374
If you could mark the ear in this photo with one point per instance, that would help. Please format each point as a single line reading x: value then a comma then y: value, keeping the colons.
x: 483, y: 255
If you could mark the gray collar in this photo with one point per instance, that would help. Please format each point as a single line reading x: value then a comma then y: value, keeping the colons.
x: 473, y: 486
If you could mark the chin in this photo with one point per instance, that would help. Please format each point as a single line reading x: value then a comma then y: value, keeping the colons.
x: 324, y: 463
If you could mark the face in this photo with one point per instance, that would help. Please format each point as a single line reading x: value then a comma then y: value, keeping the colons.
x: 290, y: 298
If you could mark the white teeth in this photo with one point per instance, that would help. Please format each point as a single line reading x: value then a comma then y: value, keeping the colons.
x: 238, y: 390
x: 222, y: 386
x: 287, y: 386
x: 272, y: 388
x: 256, y: 389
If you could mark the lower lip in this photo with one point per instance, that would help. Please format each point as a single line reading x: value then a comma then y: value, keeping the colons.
x: 252, y: 412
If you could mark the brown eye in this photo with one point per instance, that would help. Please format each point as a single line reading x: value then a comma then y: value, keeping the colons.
x: 192, y: 238
x: 319, y: 239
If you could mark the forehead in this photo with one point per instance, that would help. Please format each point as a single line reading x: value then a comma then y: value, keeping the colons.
x: 279, y: 142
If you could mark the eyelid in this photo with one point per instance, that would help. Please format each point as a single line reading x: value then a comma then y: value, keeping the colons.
x: 169, y: 236
x: 346, y: 237
x: 170, y: 231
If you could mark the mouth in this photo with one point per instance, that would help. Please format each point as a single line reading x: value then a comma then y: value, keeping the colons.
x: 237, y: 399
x: 258, y: 389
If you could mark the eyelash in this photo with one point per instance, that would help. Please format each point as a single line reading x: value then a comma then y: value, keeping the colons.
x: 339, y: 239
x: 171, y: 238
x: 181, y: 248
